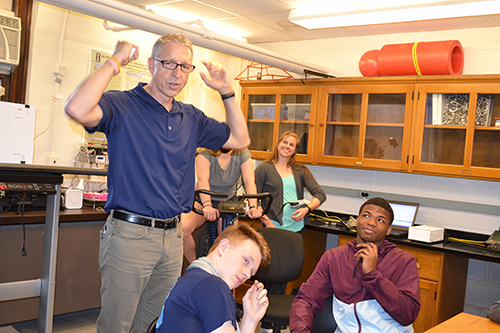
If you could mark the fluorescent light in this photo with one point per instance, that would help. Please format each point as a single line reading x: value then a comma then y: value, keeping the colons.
x: 397, y: 14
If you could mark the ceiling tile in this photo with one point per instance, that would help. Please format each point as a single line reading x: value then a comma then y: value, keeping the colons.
x: 198, y: 10
x: 454, y: 23
x: 273, y: 37
x: 276, y: 20
x: 250, y: 26
x: 248, y: 8
x: 495, y: 19
x: 382, y: 29
x: 267, y: 20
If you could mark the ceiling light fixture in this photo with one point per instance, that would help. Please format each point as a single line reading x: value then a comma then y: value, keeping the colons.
x: 414, y: 12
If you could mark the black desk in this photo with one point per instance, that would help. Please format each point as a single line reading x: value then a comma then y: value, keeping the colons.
x: 468, y: 251
x: 49, y: 177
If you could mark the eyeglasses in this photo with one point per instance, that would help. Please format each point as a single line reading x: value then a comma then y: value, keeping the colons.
x: 167, y: 64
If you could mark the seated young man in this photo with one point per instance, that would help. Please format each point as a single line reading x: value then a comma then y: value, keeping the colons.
x: 375, y: 285
x: 202, y: 301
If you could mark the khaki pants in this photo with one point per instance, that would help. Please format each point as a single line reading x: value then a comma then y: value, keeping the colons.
x: 138, y: 265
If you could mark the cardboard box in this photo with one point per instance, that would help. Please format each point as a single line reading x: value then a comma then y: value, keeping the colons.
x: 426, y: 233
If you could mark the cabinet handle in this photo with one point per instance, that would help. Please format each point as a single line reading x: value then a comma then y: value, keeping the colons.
x: 311, y: 125
x: 321, y: 124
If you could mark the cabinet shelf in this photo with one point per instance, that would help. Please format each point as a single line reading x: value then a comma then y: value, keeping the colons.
x: 294, y: 122
x: 385, y: 124
x: 261, y: 121
x: 459, y: 127
x: 483, y: 128
x: 343, y: 123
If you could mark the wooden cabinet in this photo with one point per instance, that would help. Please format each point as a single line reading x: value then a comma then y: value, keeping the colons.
x: 455, y: 131
x: 443, y: 278
x: 440, y: 125
x: 271, y: 111
x: 364, y: 125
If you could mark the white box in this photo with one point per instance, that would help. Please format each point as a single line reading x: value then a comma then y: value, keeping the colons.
x: 426, y: 233
x: 17, y: 136
x: 73, y: 199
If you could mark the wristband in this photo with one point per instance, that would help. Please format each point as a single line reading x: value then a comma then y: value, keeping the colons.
x: 309, y: 209
x: 227, y: 96
x: 116, y: 64
x: 252, y: 207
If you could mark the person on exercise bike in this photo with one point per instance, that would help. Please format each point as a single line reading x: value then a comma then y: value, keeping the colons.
x: 218, y: 171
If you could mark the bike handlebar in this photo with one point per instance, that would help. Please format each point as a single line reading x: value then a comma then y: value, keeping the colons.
x: 265, y: 195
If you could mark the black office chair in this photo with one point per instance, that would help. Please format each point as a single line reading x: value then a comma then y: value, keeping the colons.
x: 287, y: 259
x: 324, y: 322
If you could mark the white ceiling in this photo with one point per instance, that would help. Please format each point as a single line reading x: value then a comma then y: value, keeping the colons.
x: 267, y: 20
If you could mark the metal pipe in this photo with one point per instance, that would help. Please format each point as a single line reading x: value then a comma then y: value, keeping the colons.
x: 129, y: 15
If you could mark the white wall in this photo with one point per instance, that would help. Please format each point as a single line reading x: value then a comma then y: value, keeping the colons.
x: 53, y: 40
x: 481, y: 48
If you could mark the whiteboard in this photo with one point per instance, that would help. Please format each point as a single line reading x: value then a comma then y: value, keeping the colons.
x: 17, y: 132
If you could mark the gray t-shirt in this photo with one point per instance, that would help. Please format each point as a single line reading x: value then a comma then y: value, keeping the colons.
x: 224, y: 180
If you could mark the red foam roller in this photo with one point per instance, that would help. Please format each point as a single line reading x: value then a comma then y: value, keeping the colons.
x: 423, y: 58
x: 368, y: 64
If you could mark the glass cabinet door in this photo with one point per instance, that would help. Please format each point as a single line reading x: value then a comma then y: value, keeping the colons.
x: 385, y: 126
x: 486, y: 132
x: 365, y: 125
x: 271, y: 111
x: 457, y: 126
x: 343, y: 118
x: 295, y: 114
x: 445, y: 128
x: 260, y: 118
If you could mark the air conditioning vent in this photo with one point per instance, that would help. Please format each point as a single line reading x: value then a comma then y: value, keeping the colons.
x: 10, y: 41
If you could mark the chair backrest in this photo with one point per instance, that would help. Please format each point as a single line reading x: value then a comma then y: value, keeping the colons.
x: 324, y: 322
x: 287, y: 256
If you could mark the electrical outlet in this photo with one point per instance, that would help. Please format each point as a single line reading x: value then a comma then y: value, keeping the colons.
x: 364, y: 194
x: 53, y: 160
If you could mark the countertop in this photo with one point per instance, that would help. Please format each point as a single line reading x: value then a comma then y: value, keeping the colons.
x: 470, y: 251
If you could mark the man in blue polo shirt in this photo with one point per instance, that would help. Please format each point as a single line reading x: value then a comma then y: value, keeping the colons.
x: 152, y: 141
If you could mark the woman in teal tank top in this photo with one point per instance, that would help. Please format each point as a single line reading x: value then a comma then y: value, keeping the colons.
x: 286, y: 180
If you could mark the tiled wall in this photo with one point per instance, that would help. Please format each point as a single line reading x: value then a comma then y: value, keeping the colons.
x: 453, y: 203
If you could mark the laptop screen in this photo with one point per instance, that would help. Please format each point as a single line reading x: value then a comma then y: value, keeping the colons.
x: 404, y: 213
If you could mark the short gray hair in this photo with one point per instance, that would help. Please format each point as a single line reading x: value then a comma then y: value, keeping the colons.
x: 169, y: 38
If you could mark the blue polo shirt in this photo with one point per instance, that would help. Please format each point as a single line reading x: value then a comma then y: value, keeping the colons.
x: 152, y: 151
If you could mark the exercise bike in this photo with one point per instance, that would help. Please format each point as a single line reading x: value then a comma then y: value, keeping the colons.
x: 229, y: 211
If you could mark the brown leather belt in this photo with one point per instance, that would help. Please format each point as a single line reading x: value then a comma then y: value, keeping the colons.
x: 147, y: 221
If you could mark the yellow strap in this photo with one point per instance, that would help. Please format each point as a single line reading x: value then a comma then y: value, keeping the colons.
x: 414, y: 55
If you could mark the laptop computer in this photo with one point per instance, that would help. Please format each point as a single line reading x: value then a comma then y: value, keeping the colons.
x: 405, y: 214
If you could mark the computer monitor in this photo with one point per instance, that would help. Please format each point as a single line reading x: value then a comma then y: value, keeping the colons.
x: 405, y: 214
